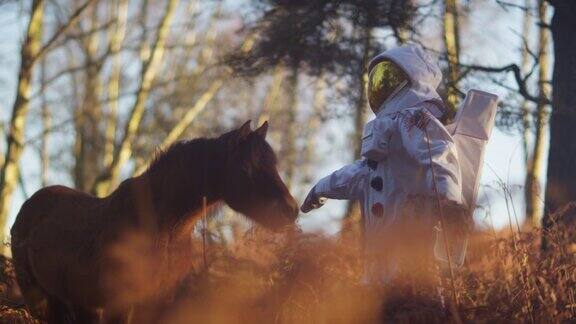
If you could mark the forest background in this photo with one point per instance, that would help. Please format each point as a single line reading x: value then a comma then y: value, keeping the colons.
x: 91, y: 90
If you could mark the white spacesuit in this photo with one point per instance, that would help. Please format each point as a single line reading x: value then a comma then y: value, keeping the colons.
x: 407, y: 154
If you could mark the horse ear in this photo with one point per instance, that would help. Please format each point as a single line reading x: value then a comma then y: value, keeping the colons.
x: 262, y: 130
x: 245, y: 130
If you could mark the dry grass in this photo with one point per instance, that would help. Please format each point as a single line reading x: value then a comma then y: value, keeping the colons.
x: 316, y: 279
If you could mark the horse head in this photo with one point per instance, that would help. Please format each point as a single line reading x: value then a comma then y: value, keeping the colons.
x: 252, y: 184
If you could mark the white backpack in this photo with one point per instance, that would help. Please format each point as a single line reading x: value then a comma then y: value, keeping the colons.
x: 471, y: 130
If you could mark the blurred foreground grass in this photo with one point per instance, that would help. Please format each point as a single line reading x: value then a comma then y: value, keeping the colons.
x: 317, y: 279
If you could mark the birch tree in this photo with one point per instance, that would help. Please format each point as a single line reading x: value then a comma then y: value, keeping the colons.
x: 89, y: 114
x: 46, y: 126
x: 107, y: 180
x: 208, y: 94
x: 525, y: 66
x: 15, y: 137
x: 534, y: 196
x: 352, y: 215
x: 32, y: 51
x: 178, y: 130
x: 272, y: 94
x: 452, y: 48
x: 289, y: 134
x: 118, y: 31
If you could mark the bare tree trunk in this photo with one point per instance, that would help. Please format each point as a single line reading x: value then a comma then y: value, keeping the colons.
x: 526, y: 31
x: 352, y: 217
x: 15, y: 137
x: 189, y: 40
x: 401, y: 36
x: 534, y: 197
x: 46, y: 125
x: 318, y: 105
x: 144, y: 44
x: 206, y: 54
x: 452, y: 46
x: 120, y: 11
x: 111, y: 176
x: 289, y: 154
x: 561, y: 182
x: 88, y: 137
x: 362, y: 101
x: 31, y: 52
x: 177, y: 131
x: 2, y: 129
x: 273, y: 94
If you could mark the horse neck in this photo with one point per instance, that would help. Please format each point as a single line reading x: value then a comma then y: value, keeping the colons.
x: 177, y: 188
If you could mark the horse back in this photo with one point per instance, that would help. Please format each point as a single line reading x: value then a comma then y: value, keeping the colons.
x: 41, y: 205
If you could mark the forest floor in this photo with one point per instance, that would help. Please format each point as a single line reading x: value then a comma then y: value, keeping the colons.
x: 317, y: 279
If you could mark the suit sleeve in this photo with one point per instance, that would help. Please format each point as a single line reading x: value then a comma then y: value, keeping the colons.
x: 345, y: 183
x: 428, y: 142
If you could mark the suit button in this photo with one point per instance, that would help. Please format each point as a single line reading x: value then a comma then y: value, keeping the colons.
x: 377, y: 210
x: 377, y: 184
x: 372, y: 164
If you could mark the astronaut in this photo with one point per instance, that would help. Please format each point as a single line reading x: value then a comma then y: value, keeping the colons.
x: 409, y: 165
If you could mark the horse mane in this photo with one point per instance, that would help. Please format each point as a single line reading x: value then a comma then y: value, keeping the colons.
x: 257, y: 151
x: 181, y: 175
x: 163, y: 158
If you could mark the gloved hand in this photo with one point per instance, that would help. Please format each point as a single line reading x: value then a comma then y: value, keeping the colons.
x: 312, y: 201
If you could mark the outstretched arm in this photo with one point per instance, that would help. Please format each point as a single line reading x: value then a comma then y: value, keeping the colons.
x: 345, y: 183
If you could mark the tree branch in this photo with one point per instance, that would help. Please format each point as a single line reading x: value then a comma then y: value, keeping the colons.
x: 71, y: 22
x: 148, y: 74
x: 505, y: 5
x: 188, y: 118
x: 520, y: 81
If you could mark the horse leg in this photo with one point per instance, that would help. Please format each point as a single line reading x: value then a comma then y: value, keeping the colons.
x: 39, y: 303
x: 34, y: 296
x: 58, y: 312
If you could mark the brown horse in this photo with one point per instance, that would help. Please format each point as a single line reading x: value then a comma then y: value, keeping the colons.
x: 76, y: 254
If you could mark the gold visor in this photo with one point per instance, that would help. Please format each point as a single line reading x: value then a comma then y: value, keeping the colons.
x: 384, y: 80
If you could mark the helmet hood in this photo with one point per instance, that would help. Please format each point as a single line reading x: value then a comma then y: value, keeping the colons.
x: 423, y: 73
